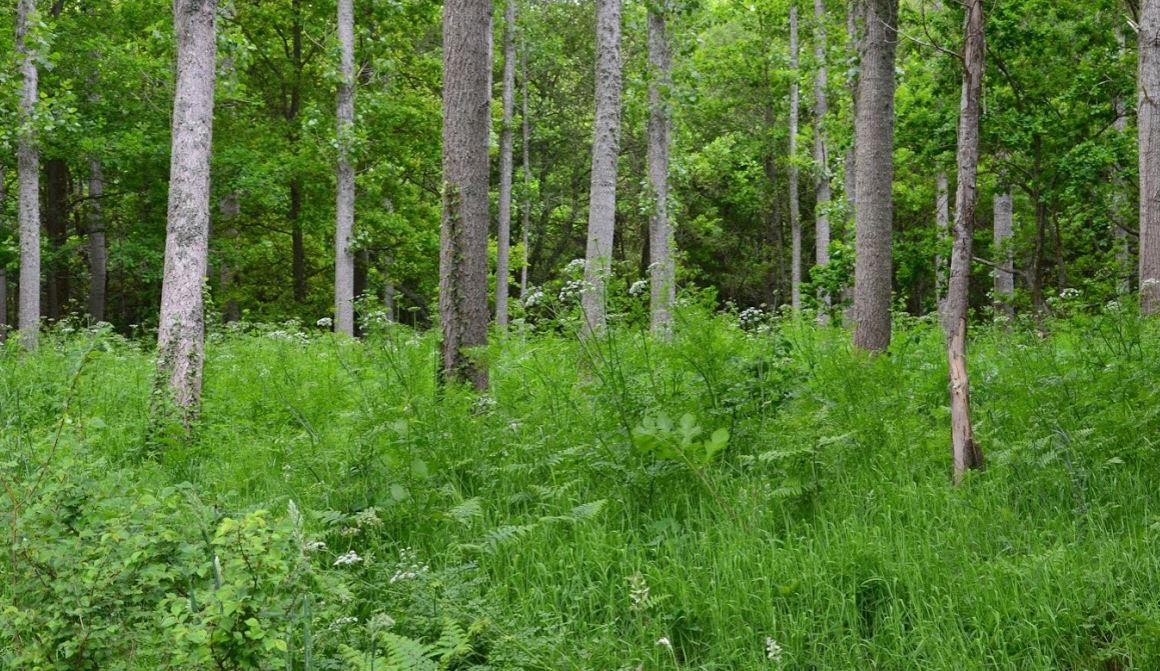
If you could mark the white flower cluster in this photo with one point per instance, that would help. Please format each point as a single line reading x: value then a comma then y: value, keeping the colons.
x: 751, y: 317
x: 1069, y: 293
x: 534, y: 297
x: 348, y: 559
x: 772, y: 650
x: 409, y: 566
x: 313, y: 546
x: 572, y: 290
x: 575, y: 266
x: 325, y: 322
x: 638, y: 287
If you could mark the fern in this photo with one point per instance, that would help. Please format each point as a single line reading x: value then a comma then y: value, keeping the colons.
x: 466, y: 511
x: 453, y: 643
x: 407, y: 654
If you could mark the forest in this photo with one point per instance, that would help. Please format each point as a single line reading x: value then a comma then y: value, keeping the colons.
x: 421, y: 335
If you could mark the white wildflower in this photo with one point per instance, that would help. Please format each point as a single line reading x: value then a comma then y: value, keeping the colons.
x: 1069, y: 292
x: 664, y: 642
x: 367, y: 518
x: 772, y: 649
x: 575, y: 265
x: 347, y: 559
x: 409, y: 566
x: 325, y: 322
x: 343, y: 621
x: 638, y: 287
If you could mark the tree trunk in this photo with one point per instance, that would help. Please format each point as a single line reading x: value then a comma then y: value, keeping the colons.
x: 98, y: 251
x: 795, y: 222
x: 181, y: 331
x: 3, y: 270
x: 966, y: 452
x: 28, y: 174
x: 662, y: 271
x: 344, y: 209
x: 506, y: 167
x: 874, y: 144
x: 942, y: 221
x: 1004, y: 289
x: 1148, y: 116
x: 56, y: 188
x: 821, y: 153
x: 605, y: 150
x: 463, y: 245
x: 1119, y: 190
x: 527, y: 207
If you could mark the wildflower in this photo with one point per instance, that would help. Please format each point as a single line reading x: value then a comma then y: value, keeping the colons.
x: 772, y: 649
x: 533, y: 298
x: 409, y: 567
x: 313, y: 546
x: 325, y: 322
x: 638, y: 591
x: 638, y: 287
x: 367, y: 518
x: 343, y: 621
x: 575, y: 265
x: 664, y: 642
x: 1069, y: 292
x: 347, y: 559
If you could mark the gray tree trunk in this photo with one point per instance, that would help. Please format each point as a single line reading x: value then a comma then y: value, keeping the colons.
x: 966, y: 452
x: 1119, y: 193
x: 28, y: 175
x: 795, y: 221
x: 822, y: 191
x: 527, y: 206
x: 506, y: 168
x: 605, y: 151
x: 344, y: 206
x: 874, y: 145
x: 181, y: 330
x: 98, y: 250
x: 1148, y: 118
x: 662, y: 271
x: 463, y: 244
x: 3, y: 271
x: 1004, y: 288
x: 942, y: 214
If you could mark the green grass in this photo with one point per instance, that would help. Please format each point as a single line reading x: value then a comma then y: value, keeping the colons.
x: 828, y: 524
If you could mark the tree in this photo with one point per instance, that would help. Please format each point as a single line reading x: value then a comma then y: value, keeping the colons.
x: 344, y: 206
x: 3, y: 269
x: 1004, y: 287
x: 463, y: 243
x: 662, y: 271
x: 605, y: 151
x: 527, y: 140
x: 966, y: 452
x: 874, y: 161
x: 1148, y: 115
x: 795, y: 222
x: 28, y: 175
x: 503, y: 247
x: 181, y: 329
x: 821, y: 149
x: 98, y: 252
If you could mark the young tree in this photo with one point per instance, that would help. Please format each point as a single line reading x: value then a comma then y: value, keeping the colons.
x: 3, y: 269
x: 181, y: 329
x: 98, y: 251
x: 821, y: 149
x: 344, y: 209
x: 527, y: 136
x: 463, y: 244
x: 966, y: 452
x: 506, y: 162
x: 605, y: 150
x: 795, y: 223
x: 28, y: 175
x: 874, y: 146
x: 1004, y: 288
x: 942, y: 215
x: 1148, y: 119
x: 662, y: 272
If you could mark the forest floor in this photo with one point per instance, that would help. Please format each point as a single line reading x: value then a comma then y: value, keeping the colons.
x: 730, y: 500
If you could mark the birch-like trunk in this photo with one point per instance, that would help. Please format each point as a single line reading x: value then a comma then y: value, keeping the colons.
x: 821, y: 153
x: 1148, y: 118
x: 605, y: 151
x: 98, y: 250
x: 1004, y: 228
x: 874, y: 146
x: 506, y: 168
x: 527, y: 140
x: 181, y: 330
x: 28, y: 176
x: 795, y: 221
x: 942, y: 216
x: 463, y: 244
x: 662, y: 272
x: 344, y: 205
x: 966, y: 452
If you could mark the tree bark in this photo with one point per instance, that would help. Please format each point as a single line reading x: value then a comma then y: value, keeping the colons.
x: 344, y: 207
x: 1148, y: 118
x: 28, y: 175
x: 874, y: 145
x: 463, y: 245
x: 662, y: 271
x: 966, y: 452
x: 98, y: 250
x: 506, y: 168
x: 3, y: 270
x: 527, y: 139
x: 605, y: 151
x: 181, y: 331
x: 795, y: 222
x: 1004, y: 288
x: 56, y: 191
x: 942, y: 222
x: 821, y: 153
x: 1119, y: 193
